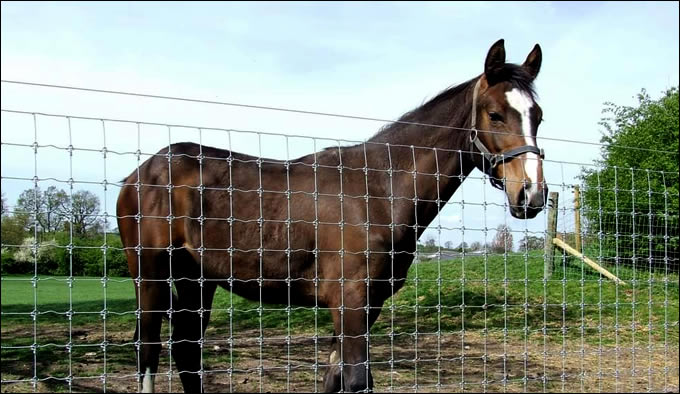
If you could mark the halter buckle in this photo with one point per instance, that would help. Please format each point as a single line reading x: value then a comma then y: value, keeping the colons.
x: 494, y: 160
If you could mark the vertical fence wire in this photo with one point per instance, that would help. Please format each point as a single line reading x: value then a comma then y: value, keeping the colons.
x: 34, y: 249
x: 563, y: 282
x: 342, y: 308
x: 201, y: 251
x: 288, y: 270
x: 485, y: 230
x: 437, y: 177
x: 665, y: 280
x: 633, y: 282
x: 105, y: 278
x: 416, y: 307
x: 617, y: 265
x: 650, y: 284
x: 69, y: 346
x: 367, y: 253
x: 138, y: 253
x: 582, y: 284
x: 600, y: 259
x: 315, y: 196
x: 392, y: 276
x: 506, y: 282
x: 230, y: 312
x: 260, y: 254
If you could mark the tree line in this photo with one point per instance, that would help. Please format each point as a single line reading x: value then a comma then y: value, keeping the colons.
x: 630, y: 198
x: 501, y: 242
x: 39, y: 228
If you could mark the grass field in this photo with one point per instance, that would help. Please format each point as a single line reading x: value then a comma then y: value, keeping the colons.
x: 514, y: 330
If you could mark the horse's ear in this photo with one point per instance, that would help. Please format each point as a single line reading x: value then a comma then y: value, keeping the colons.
x: 495, y: 60
x: 533, y: 62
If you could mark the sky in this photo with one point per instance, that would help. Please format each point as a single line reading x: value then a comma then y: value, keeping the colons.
x: 375, y: 60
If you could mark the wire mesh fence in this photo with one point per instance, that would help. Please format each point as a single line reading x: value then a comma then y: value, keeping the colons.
x: 268, y: 271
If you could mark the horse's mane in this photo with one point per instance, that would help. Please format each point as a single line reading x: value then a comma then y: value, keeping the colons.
x: 456, y: 97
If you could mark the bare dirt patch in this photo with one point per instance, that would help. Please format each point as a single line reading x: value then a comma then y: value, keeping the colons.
x: 426, y: 363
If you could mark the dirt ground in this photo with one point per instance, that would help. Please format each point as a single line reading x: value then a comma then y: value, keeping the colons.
x: 417, y: 367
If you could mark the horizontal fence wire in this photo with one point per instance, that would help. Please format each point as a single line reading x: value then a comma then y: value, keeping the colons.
x: 325, y: 114
x: 272, y: 274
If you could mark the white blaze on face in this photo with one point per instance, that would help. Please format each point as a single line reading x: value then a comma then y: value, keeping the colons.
x: 522, y: 103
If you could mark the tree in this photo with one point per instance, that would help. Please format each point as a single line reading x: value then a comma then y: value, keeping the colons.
x: 84, y: 212
x: 29, y: 205
x: 475, y: 246
x: 46, y: 207
x: 53, y: 204
x: 448, y: 244
x: 13, y: 226
x: 635, y: 191
x: 530, y: 242
x: 14, y: 229
x: 430, y: 241
x: 502, y: 242
x: 462, y: 246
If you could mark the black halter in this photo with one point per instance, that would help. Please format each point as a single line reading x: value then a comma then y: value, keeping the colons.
x: 494, y: 159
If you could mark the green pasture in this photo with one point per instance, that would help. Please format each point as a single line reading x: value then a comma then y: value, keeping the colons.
x: 504, y: 295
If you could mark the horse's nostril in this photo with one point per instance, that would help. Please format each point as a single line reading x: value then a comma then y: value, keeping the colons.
x: 521, y: 199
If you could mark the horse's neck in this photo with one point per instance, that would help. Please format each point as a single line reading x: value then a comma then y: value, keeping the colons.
x: 439, y: 157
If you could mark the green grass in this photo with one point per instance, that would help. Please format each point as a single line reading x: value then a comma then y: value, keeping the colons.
x: 19, y: 290
x: 52, y: 298
x: 499, y: 292
x: 604, y: 303
x: 524, y: 300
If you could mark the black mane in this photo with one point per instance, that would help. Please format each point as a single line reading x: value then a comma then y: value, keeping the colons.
x: 458, y: 100
x: 517, y: 76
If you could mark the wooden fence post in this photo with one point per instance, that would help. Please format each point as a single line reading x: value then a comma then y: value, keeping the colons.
x: 550, y: 234
x: 577, y: 218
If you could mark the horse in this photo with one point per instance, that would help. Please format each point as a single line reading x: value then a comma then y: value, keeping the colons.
x: 337, y: 228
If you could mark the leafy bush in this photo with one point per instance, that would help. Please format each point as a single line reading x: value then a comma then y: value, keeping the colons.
x: 11, y: 266
x: 86, y: 256
x: 631, y: 199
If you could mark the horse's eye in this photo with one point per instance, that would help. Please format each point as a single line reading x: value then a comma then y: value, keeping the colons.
x: 495, y: 117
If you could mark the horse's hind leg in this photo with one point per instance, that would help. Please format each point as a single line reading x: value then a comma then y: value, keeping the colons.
x: 154, y: 299
x: 189, y: 324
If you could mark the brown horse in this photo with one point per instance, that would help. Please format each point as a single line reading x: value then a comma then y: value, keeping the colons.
x: 337, y: 228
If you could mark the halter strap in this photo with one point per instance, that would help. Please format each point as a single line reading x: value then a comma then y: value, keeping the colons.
x: 495, y: 159
x: 473, y: 122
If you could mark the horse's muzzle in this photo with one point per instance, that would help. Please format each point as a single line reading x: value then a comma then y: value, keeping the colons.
x: 529, y: 202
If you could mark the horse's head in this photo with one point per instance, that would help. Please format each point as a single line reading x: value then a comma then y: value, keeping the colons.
x: 507, y: 117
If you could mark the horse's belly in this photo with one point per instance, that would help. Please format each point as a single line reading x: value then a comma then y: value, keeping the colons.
x: 267, y: 291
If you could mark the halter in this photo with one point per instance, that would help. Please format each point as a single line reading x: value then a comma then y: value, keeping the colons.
x: 495, y: 159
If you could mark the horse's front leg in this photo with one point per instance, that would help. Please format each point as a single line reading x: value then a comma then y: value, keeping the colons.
x: 349, y: 368
x: 331, y: 380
